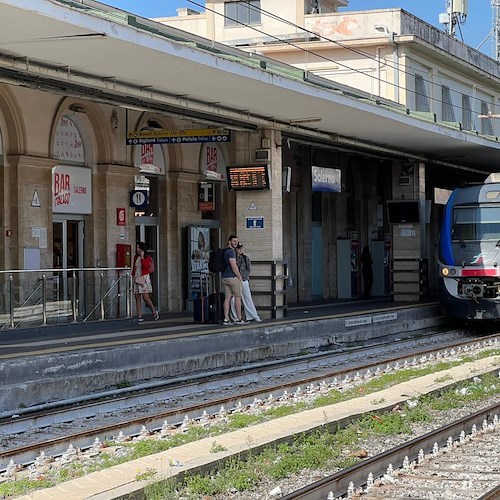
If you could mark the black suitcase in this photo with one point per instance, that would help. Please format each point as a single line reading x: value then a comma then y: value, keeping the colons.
x: 201, y: 313
x: 216, y: 307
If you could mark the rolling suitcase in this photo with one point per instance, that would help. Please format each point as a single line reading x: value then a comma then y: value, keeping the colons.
x: 200, y: 304
x: 216, y: 307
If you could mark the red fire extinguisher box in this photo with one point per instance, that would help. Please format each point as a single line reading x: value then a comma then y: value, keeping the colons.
x: 123, y: 255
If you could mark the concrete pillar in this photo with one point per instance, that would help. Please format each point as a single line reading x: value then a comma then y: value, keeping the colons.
x: 409, y: 238
x: 263, y: 245
x: 304, y: 244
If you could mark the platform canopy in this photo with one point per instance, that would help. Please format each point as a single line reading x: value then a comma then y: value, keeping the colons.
x: 87, y: 49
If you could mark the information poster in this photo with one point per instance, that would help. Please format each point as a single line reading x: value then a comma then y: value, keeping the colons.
x: 199, y: 253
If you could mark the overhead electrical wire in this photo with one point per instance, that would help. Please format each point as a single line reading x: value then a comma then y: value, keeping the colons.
x: 359, y: 52
x: 343, y: 45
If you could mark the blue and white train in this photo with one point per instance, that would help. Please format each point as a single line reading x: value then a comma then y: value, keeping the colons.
x: 469, y: 252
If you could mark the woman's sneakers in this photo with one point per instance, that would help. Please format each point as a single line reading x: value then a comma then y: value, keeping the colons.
x: 156, y: 316
x: 227, y: 322
x: 140, y: 320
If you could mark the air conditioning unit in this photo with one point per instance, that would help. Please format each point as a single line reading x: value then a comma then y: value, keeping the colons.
x: 263, y: 155
x: 404, y: 180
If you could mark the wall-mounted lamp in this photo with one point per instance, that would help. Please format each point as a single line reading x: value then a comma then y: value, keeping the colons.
x: 76, y: 108
x: 382, y: 28
x: 154, y: 125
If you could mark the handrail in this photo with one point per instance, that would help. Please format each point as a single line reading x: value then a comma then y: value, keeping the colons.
x: 38, y: 297
x: 104, y: 295
x: 63, y: 270
x: 273, y: 277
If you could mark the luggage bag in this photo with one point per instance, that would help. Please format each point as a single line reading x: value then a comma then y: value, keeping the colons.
x: 201, y: 304
x: 216, y: 307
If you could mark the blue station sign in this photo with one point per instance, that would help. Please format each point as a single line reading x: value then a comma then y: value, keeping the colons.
x: 255, y: 222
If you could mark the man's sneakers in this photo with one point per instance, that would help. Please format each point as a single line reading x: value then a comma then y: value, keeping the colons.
x: 228, y: 322
x: 241, y: 322
x: 156, y: 316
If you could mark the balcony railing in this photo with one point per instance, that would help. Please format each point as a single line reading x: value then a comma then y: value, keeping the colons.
x: 54, y: 296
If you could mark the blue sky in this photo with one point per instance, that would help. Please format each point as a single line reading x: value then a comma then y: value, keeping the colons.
x: 476, y: 29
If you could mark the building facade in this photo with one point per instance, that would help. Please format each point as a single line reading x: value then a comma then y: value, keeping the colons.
x: 99, y: 155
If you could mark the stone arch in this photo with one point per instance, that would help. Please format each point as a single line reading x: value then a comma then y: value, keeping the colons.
x: 92, y: 125
x: 11, y: 123
x: 168, y: 151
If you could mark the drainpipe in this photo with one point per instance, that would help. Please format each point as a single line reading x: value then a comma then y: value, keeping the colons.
x: 377, y: 56
x: 395, y: 65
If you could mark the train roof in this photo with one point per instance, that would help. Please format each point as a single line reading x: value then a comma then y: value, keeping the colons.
x: 483, y: 193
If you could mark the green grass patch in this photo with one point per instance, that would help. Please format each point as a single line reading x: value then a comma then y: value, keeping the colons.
x: 23, y: 486
x: 324, y: 452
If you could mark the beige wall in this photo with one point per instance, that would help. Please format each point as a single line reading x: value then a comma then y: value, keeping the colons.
x: 367, y: 58
x: 28, y: 120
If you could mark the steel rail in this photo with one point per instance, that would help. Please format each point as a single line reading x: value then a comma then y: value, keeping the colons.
x: 84, y: 439
x: 357, y: 474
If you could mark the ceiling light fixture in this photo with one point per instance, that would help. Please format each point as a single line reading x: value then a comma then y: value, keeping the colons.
x: 305, y: 120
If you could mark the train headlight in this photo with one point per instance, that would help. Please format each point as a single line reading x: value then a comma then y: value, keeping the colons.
x: 445, y: 271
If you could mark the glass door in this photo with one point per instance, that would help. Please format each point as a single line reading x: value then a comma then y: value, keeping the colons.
x: 67, y: 244
x: 147, y: 231
x: 67, y: 248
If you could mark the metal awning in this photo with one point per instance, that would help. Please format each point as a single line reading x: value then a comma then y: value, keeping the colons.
x: 86, y: 48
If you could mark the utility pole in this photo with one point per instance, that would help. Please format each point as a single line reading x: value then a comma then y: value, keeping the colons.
x: 495, y: 5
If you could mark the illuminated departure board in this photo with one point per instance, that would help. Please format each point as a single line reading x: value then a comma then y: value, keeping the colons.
x: 251, y: 177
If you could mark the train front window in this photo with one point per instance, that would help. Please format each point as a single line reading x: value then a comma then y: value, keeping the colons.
x: 476, y: 223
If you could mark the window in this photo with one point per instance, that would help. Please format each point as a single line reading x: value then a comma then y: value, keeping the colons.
x: 467, y: 122
x: 244, y: 12
x: 486, y: 125
x: 421, y: 100
x: 476, y: 223
x: 447, y: 105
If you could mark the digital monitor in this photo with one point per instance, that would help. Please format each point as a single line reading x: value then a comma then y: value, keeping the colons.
x: 403, y: 211
x: 248, y: 177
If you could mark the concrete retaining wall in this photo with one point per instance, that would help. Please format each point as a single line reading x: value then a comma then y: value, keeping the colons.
x: 48, y: 378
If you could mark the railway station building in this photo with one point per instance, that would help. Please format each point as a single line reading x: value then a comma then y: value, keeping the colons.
x: 116, y: 129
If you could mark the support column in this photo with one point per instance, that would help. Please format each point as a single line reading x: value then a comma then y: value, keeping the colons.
x: 304, y: 216
x: 264, y: 245
x: 409, y: 254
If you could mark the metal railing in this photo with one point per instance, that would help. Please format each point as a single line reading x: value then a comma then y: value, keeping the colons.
x: 31, y: 298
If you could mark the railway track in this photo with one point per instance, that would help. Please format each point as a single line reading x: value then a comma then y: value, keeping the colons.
x: 459, y: 461
x: 356, y: 371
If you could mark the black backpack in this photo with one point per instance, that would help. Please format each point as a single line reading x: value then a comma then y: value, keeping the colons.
x: 217, y: 261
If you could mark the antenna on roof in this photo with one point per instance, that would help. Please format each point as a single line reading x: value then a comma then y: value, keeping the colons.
x: 495, y: 4
x: 456, y: 14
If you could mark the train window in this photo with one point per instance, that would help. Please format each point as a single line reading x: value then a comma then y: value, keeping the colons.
x: 476, y: 223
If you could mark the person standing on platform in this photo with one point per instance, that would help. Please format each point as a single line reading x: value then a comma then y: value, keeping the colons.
x: 244, y: 265
x: 142, y: 267
x: 366, y: 271
x: 231, y: 277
